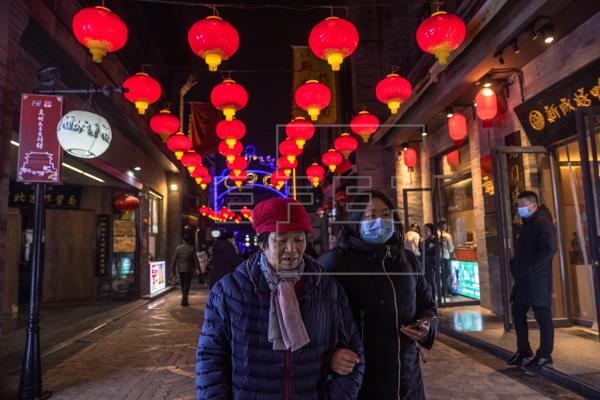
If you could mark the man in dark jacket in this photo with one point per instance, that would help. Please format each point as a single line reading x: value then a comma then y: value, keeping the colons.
x: 531, y: 269
x: 185, y: 263
x: 225, y: 258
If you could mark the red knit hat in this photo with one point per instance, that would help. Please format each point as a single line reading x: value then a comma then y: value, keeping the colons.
x: 281, y: 216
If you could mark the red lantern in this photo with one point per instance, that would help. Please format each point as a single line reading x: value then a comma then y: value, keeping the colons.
x: 289, y: 149
x: 486, y: 104
x: 127, y: 203
x: 206, y: 180
x: 457, y: 128
x: 300, y: 130
x: 312, y: 97
x: 286, y: 166
x: 315, y: 174
x: 345, y: 144
x: 229, y: 97
x: 441, y: 34
x: 278, y: 179
x: 364, y: 125
x: 164, y: 123
x: 247, y: 213
x: 179, y: 144
x: 142, y: 91
x: 453, y: 158
x: 238, y: 165
x: 214, y: 40
x: 393, y: 90
x: 231, y: 131
x: 228, y: 153
x: 410, y: 158
x: 238, y: 179
x: 200, y: 173
x: 203, y: 210
x: 100, y: 30
x: 333, y: 39
x: 332, y: 159
x: 191, y: 160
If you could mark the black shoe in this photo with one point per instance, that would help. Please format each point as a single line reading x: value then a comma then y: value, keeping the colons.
x: 518, y: 357
x: 537, y: 363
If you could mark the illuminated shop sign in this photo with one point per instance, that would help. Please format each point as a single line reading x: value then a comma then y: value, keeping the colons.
x: 158, y: 276
x: 465, y: 278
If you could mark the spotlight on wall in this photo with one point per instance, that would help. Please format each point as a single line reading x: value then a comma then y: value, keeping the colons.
x: 137, y: 168
x: 174, y: 187
x: 515, y: 47
x: 486, y: 81
x: 547, y: 32
x: 424, y: 131
x: 404, y: 146
x: 449, y: 112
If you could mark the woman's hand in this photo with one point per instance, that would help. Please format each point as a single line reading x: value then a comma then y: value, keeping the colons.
x: 343, y: 361
x: 418, y: 332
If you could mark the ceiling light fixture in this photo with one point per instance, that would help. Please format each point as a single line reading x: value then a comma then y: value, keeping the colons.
x: 449, y: 112
x: 547, y: 32
x: 137, y: 168
x: 515, y: 47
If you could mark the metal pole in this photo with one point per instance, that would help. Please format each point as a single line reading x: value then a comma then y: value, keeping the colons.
x: 30, y: 387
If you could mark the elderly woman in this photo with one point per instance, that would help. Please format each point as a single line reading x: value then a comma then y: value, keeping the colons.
x: 389, y: 296
x: 276, y: 328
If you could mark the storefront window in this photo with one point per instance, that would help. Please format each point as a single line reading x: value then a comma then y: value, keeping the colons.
x: 155, y: 205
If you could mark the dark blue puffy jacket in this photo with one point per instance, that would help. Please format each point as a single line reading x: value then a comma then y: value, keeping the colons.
x: 236, y: 360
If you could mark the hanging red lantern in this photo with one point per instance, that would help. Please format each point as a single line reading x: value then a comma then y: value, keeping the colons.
x: 214, y: 40
x: 238, y: 179
x: 393, y: 90
x: 179, y: 143
x: 486, y: 104
x: 289, y: 149
x: 164, y: 123
x: 100, y: 30
x: 410, y: 158
x: 229, y: 97
x: 191, y: 160
x: 278, y: 179
x: 364, y: 125
x: 457, y: 128
x: 127, y: 203
x: 453, y: 158
x: 342, y: 197
x: 230, y: 153
x: 300, y: 130
x: 247, y: 213
x: 206, y: 180
x: 315, y: 174
x: 441, y: 34
x: 312, y: 97
x: 203, y: 210
x: 286, y: 166
x: 238, y: 165
x: 231, y: 131
x: 332, y: 159
x: 200, y: 173
x: 142, y: 91
x: 333, y: 39
x: 345, y: 144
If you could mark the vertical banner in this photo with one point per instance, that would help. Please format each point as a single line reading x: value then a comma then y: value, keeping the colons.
x: 40, y: 154
x: 308, y: 66
x: 202, y: 128
x: 103, y: 244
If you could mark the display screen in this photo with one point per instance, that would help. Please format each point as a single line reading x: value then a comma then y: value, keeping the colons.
x: 465, y: 278
x: 158, y: 279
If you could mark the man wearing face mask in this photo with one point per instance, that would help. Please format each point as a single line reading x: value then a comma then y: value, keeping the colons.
x: 531, y: 269
x: 390, y: 298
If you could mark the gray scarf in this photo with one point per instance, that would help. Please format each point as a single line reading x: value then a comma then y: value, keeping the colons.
x: 286, y: 327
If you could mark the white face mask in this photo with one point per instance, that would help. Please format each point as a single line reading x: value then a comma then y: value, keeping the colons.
x: 377, y: 231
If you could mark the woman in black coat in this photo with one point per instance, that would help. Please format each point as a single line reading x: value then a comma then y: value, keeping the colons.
x: 429, y: 251
x: 388, y: 295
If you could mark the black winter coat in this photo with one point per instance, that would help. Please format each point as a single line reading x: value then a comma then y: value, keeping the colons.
x: 224, y: 260
x: 531, y: 267
x: 395, y: 294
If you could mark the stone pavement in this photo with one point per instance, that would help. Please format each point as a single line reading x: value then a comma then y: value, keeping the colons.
x: 150, y: 355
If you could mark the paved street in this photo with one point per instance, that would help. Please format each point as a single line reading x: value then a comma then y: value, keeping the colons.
x: 150, y: 355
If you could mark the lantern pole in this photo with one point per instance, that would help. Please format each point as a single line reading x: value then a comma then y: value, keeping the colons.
x: 294, y: 183
x: 30, y: 386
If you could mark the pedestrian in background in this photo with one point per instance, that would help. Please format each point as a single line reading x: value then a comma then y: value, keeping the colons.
x: 203, y: 265
x: 390, y: 298
x: 225, y: 257
x: 185, y: 263
x: 531, y: 269
x: 429, y: 252
x: 447, y: 245
x: 277, y: 328
x: 412, y: 239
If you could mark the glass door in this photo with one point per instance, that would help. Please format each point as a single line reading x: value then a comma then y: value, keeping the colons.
x: 528, y: 168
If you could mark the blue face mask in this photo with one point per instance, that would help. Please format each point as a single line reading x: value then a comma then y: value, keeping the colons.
x: 524, y: 212
x: 377, y: 231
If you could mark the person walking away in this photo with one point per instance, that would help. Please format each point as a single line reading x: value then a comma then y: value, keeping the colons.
x: 390, y: 298
x: 531, y: 269
x: 429, y: 251
x: 447, y: 244
x: 185, y: 263
x: 225, y: 258
x: 277, y: 327
x: 412, y: 239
